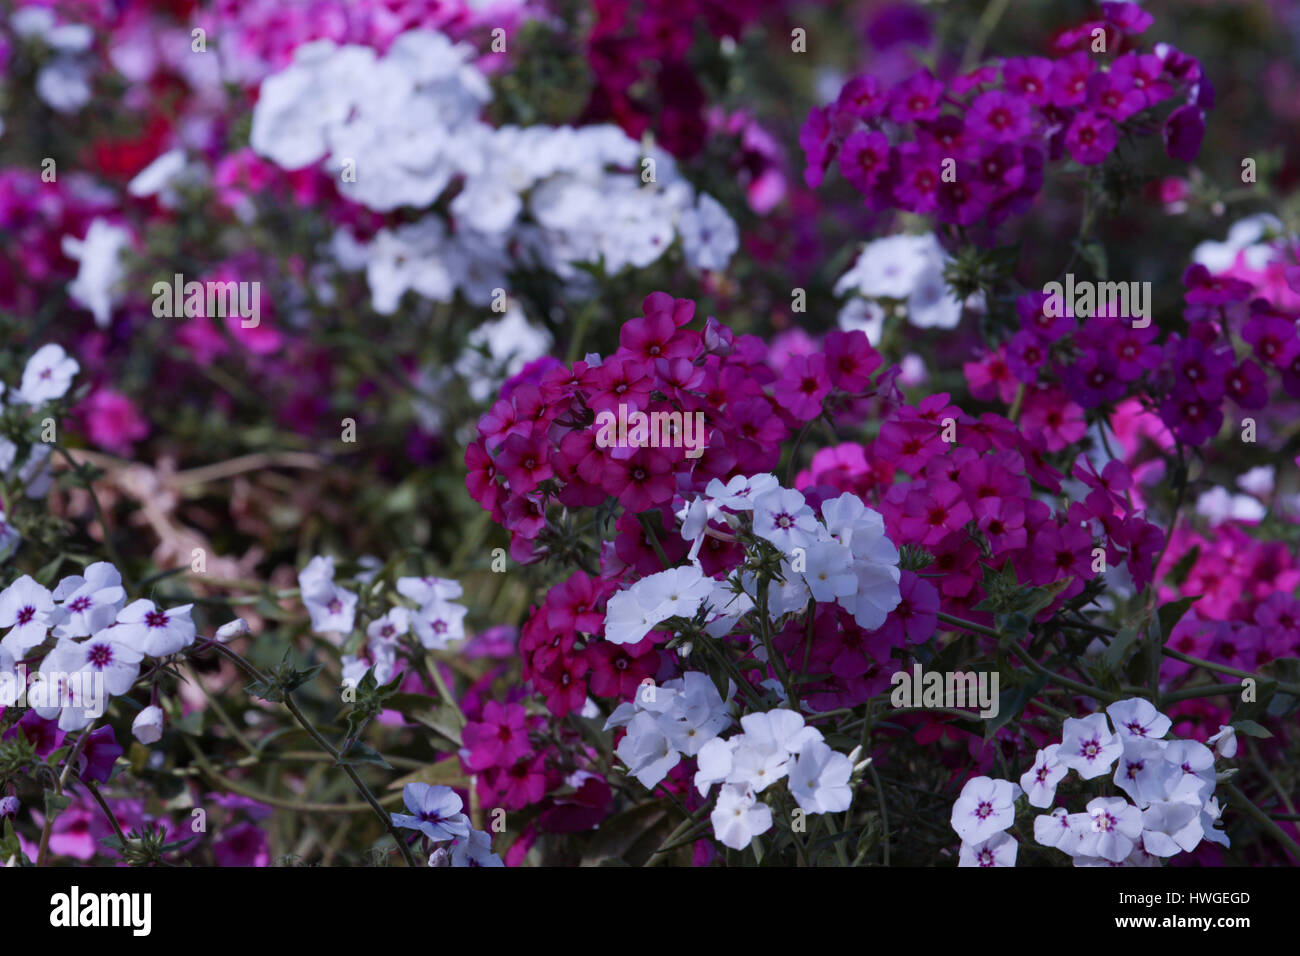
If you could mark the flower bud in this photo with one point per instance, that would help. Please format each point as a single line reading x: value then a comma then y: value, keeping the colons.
x: 232, y: 629
x: 148, y: 725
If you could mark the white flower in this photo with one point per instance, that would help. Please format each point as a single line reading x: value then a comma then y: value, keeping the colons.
x: 160, y: 177
x: 1116, y: 826
x: 28, y: 610
x: 1244, y: 235
x: 827, y: 571
x: 647, y: 751
x: 1195, y: 761
x: 1171, y: 827
x: 148, y: 725
x: 755, y: 767
x: 333, y: 609
x: 473, y: 850
x: 424, y: 590
x: 439, y: 623
x: 1039, y: 782
x: 435, y: 812
x: 296, y: 107
x: 783, y: 517
x: 48, y: 375
x: 863, y: 315
x: 155, y: 632
x: 678, y: 592
x: 1088, y: 746
x: 107, y: 653
x: 9, y: 538
x: 1259, y: 481
x: 64, y: 83
x: 709, y: 236
x: 714, y: 763
x: 738, y: 817
x: 1220, y: 505
x: 931, y: 305
x: 89, y: 603
x: 694, y: 713
x: 389, y: 627
x: 1061, y: 829
x: 740, y: 492
x: 998, y: 850
x: 779, y: 731
x: 890, y: 267
x: 415, y: 256
x: 985, y: 807
x: 819, y: 779
x: 1225, y: 741
x: 100, y: 269
x: 1138, y: 717
x: 1143, y: 772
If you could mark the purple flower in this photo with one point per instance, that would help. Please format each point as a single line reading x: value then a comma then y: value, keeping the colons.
x: 99, y: 755
x: 1000, y: 117
x: 1273, y: 337
x: 1183, y: 133
x: 1114, y: 97
x: 1068, y: 82
x: 1128, y: 17
x: 1090, y: 138
x: 1247, y: 385
x: 862, y: 97
x: 864, y: 158
x: 1143, y: 72
x: 1092, y: 379
x: 918, y: 98
x: 1028, y: 77
x: 1192, y: 419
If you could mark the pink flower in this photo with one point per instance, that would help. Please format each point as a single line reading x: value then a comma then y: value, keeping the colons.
x: 112, y: 421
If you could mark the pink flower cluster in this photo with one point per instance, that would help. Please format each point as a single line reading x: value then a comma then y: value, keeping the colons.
x: 972, y: 149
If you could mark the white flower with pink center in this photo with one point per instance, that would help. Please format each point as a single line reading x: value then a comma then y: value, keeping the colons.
x: 28, y: 610
x: 985, y: 807
x: 998, y: 850
x: 1039, y: 782
x: 1116, y: 826
x: 154, y: 631
x: 1088, y: 746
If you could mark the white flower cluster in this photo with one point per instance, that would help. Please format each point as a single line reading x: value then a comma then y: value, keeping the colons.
x: 684, y: 717
x: 63, y: 82
x: 669, y: 722
x: 1170, y: 783
x: 906, y: 268
x: 435, y: 618
x: 402, y: 128
x: 46, y: 377
x: 774, y: 745
x: 100, y: 644
x: 845, y: 557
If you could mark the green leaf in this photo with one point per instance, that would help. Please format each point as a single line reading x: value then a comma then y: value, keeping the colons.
x: 1170, y: 614
x: 1251, y: 729
x: 56, y: 803
x: 362, y: 753
x: 1119, y: 647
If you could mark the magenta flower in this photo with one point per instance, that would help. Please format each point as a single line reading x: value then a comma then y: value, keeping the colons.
x: 1090, y: 138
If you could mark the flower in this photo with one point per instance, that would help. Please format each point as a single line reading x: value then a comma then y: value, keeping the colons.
x: 155, y: 632
x: 985, y: 807
x: 148, y: 725
x: 47, y: 375
x: 819, y: 779
x: 998, y: 850
x: 1039, y: 782
x: 738, y: 817
x: 783, y: 517
x: 100, y: 269
x: 1088, y: 746
x: 1225, y: 741
x: 28, y: 610
x: 435, y: 812
x: 1115, y: 827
